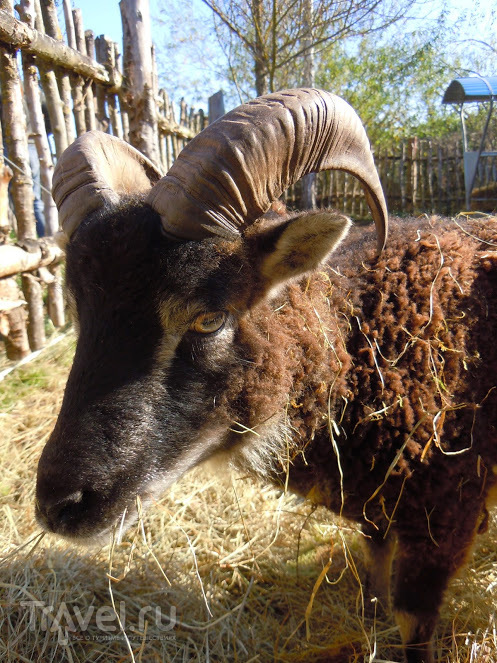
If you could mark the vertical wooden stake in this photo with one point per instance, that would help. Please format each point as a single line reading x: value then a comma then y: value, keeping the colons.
x: 33, y: 292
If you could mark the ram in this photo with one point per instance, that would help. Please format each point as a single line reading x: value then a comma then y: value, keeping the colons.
x: 363, y: 377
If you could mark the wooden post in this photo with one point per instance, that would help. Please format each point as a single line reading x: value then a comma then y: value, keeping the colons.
x: 106, y: 54
x: 13, y: 320
x: 138, y: 76
x: 90, y: 114
x: 430, y: 175
x: 77, y: 87
x: 16, y: 139
x: 68, y: 17
x: 33, y: 293
x: 103, y: 54
x: 402, y: 177
x: 55, y: 297
x: 5, y: 177
x: 37, y: 121
x: 414, y: 172
x: 440, y: 176
x: 53, y: 30
x: 49, y: 82
x: 216, y: 106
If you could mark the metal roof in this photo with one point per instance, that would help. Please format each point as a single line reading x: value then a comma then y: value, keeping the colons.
x: 473, y: 88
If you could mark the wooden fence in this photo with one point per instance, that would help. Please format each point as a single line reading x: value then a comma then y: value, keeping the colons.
x: 71, y: 86
x: 417, y: 176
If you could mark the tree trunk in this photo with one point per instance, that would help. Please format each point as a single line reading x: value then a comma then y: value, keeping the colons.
x: 260, y: 61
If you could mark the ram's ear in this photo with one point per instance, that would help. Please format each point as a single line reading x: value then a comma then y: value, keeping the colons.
x: 301, y: 244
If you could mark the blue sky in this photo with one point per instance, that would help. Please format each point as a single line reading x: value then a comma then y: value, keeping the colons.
x: 104, y: 17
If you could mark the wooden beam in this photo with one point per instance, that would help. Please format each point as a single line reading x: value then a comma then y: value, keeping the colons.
x: 15, y: 260
x: 20, y: 35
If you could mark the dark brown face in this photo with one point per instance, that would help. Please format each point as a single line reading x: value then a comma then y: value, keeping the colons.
x: 174, y: 340
x: 156, y: 328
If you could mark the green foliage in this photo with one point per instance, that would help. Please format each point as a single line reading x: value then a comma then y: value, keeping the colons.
x: 397, y: 87
x: 395, y: 76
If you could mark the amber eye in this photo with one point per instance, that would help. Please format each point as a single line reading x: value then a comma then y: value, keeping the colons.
x: 208, y: 323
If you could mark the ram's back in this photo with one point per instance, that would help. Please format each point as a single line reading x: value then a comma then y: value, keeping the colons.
x: 419, y: 394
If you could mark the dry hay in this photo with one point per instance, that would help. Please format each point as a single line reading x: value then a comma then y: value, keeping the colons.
x: 245, y: 572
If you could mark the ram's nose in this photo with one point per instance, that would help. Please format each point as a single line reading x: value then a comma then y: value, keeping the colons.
x: 64, y: 504
x: 58, y: 513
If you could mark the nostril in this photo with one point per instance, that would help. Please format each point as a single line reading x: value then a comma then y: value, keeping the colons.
x: 60, y: 515
x: 64, y: 510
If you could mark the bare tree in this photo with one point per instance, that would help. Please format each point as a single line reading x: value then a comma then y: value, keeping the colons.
x: 275, y: 35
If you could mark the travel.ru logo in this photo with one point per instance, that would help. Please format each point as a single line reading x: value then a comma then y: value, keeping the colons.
x: 99, y: 624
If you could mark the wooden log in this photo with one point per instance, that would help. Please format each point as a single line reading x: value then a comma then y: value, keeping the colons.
x: 90, y: 108
x: 77, y: 81
x: 33, y: 292
x: 33, y: 101
x: 166, y: 122
x: 37, y: 121
x: 402, y: 176
x: 422, y: 172
x: 440, y: 176
x: 430, y: 176
x: 104, y: 52
x: 55, y: 108
x: 53, y: 30
x: 122, y: 105
x: 50, y: 20
x: 79, y: 32
x: 70, y: 32
x: 54, y: 52
x: 16, y: 139
x: 5, y: 177
x: 414, y: 173
x: 138, y: 71
x: 5, y: 212
x: 106, y: 55
x: 13, y: 318
x: 15, y: 260
x: 55, y: 298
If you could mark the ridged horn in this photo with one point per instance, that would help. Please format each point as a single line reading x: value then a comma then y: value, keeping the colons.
x: 97, y: 170
x: 229, y: 174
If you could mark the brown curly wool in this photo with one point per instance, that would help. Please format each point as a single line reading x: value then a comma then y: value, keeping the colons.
x: 387, y: 371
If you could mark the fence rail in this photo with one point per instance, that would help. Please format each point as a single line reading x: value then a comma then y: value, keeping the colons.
x: 70, y: 87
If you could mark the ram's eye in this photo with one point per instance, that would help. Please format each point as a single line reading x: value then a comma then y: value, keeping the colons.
x: 208, y: 323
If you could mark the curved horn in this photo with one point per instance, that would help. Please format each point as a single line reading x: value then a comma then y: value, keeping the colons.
x: 229, y: 174
x: 97, y: 170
